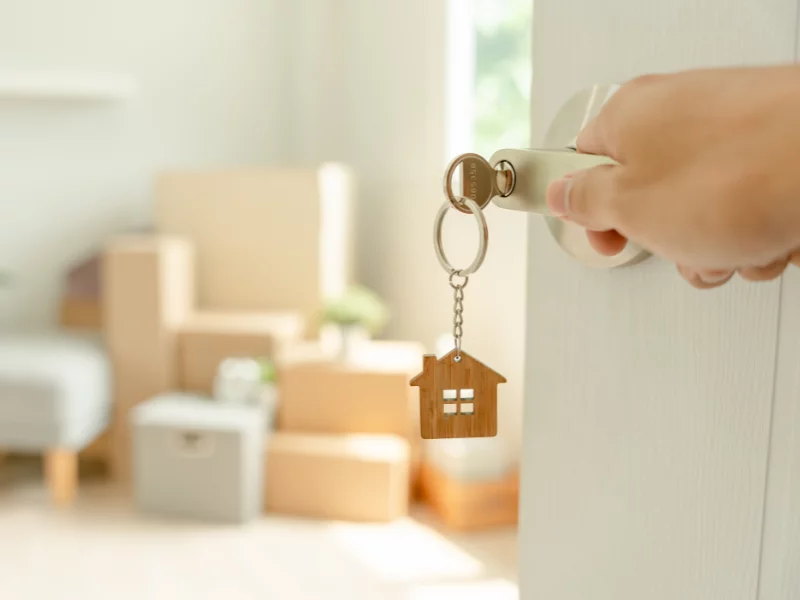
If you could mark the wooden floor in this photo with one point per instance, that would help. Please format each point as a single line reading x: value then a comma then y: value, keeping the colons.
x: 102, y: 548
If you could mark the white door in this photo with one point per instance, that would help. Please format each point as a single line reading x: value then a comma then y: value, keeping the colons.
x: 662, y: 424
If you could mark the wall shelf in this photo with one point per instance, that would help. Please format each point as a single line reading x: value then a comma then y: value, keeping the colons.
x: 85, y: 88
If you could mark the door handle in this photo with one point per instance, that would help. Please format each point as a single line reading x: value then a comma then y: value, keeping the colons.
x: 517, y: 179
x: 533, y: 170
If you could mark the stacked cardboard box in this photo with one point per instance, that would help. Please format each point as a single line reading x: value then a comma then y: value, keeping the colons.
x: 470, y: 505
x: 81, y: 302
x: 208, y: 338
x: 242, y: 225
x: 348, y: 434
x: 266, y: 239
x: 148, y: 291
x: 342, y: 477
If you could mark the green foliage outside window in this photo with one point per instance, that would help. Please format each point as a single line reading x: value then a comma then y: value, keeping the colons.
x: 503, y: 74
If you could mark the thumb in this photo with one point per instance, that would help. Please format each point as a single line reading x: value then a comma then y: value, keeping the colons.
x: 586, y: 197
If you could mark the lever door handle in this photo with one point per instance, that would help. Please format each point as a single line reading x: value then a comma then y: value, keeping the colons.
x: 534, y: 170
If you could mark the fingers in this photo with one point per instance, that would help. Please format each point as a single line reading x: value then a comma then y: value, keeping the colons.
x: 767, y: 273
x: 705, y: 279
x: 587, y: 198
x: 607, y: 243
x: 708, y: 278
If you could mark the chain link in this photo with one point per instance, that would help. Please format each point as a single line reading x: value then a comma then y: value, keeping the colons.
x: 458, y: 310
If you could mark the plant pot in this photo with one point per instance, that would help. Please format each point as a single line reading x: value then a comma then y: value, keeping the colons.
x: 269, y: 403
x: 238, y: 381
x: 350, y: 341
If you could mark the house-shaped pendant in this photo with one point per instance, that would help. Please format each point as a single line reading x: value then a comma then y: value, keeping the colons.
x: 457, y: 397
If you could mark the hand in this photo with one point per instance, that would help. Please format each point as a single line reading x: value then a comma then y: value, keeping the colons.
x: 709, y: 173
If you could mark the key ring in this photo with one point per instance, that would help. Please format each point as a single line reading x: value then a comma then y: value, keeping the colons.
x: 478, y: 181
x: 483, y: 237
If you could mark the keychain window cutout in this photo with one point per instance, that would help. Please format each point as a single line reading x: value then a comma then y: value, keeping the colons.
x: 454, y: 402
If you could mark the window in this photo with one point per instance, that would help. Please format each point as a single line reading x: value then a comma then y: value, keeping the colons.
x: 502, y: 74
x: 489, y: 75
x: 455, y: 402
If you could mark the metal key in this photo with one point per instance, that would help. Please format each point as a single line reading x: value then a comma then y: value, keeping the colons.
x: 514, y: 179
x: 480, y: 181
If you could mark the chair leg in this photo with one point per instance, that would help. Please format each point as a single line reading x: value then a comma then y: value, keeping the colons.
x: 61, y: 472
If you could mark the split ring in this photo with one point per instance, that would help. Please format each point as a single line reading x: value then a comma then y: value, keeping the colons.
x: 483, y: 237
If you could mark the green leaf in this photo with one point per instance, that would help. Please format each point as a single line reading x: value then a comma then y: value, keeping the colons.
x: 269, y: 372
x: 358, y: 306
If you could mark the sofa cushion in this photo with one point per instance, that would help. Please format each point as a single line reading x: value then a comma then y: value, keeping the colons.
x: 54, y: 390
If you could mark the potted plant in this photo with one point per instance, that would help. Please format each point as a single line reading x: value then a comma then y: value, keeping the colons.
x: 269, y: 389
x: 249, y: 381
x: 357, y: 315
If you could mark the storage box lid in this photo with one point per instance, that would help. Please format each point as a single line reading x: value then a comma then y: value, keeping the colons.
x: 184, y: 410
x: 370, y: 357
x: 282, y: 325
x: 363, y: 447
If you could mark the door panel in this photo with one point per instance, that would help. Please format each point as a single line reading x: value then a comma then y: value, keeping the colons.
x: 649, y: 404
x: 780, y: 571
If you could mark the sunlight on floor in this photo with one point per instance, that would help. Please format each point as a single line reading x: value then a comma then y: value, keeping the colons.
x: 491, y: 589
x: 406, y: 551
x: 102, y: 548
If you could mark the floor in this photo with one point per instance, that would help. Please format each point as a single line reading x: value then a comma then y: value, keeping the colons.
x: 102, y: 548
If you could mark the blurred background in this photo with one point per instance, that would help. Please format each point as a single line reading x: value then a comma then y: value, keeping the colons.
x: 217, y: 279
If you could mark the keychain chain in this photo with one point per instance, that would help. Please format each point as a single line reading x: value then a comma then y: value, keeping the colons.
x: 470, y: 206
x: 458, y: 311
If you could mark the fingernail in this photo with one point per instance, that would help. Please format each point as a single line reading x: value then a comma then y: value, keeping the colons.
x: 558, y: 196
x: 712, y: 277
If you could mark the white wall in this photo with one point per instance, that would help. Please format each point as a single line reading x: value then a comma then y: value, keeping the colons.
x: 207, y: 74
x: 369, y: 86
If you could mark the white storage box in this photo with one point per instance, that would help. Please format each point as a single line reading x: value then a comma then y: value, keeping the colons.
x: 197, y: 458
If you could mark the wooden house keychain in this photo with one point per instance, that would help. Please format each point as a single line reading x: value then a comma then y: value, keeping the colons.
x: 458, y: 393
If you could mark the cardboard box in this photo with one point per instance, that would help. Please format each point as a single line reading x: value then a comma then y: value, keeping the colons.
x: 266, y: 239
x: 208, y: 338
x: 148, y: 292
x: 368, y: 395
x: 470, y: 505
x: 81, y: 301
x: 338, y: 477
x: 81, y: 313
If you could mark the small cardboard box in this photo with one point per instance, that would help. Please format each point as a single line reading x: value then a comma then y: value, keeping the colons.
x: 207, y: 338
x: 369, y: 394
x: 470, y: 505
x: 339, y: 477
x: 81, y: 313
